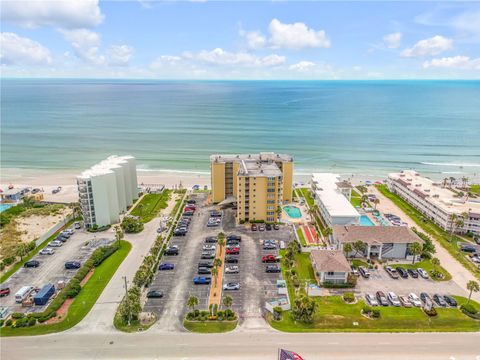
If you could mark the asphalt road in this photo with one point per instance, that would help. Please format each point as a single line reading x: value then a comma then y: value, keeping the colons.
x: 238, y: 345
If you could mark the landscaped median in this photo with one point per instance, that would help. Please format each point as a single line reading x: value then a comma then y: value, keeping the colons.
x: 208, y: 327
x: 445, y: 239
x: 150, y: 205
x: 83, y: 301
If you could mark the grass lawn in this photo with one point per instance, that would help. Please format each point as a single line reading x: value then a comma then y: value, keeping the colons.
x: 207, y: 327
x: 32, y: 253
x: 333, y: 315
x: 304, y: 267
x: 356, y: 199
x: 301, y: 237
x: 358, y: 262
x: 84, y: 300
x: 444, y: 238
x: 308, y: 197
x: 134, y: 325
x: 150, y: 205
x: 475, y: 189
x: 428, y: 267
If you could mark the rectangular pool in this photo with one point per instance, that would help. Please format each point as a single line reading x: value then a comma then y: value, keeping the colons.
x: 365, y: 221
x: 4, y: 207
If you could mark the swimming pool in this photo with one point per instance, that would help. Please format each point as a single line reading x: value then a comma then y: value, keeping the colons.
x: 293, y: 211
x: 4, y: 207
x: 365, y: 221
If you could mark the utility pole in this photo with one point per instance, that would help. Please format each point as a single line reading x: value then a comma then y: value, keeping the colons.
x: 126, y: 299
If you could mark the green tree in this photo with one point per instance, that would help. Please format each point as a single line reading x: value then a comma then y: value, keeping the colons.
x: 347, y: 248
x: 415, y: 250
x: 435, y: 263
x: 227, y: 301
x: 364, y: 199
x: 118, y: 234
x: 359, y: 247
x: 192, y: 302
x: 215, y: 274
x: 217, y: 262
x: 472, y: 286
x: 221, y: 241
x: 131, y: 224
x: 277, y: 313
x: 304, y: 308
x: 428, y: 247
x: 376, y: 202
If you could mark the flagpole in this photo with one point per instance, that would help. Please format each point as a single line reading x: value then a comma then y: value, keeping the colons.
x: 278, y: 354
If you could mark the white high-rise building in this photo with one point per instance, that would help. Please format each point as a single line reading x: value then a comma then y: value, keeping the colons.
x: 107, y: 189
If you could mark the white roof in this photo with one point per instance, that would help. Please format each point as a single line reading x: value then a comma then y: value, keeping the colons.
x: 334, y: 201
x: 104, y: 167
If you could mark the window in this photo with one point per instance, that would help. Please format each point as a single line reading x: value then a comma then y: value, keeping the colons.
x: 331, y: 273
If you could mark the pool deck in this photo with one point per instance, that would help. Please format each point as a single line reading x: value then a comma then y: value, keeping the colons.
x: 305, y: 218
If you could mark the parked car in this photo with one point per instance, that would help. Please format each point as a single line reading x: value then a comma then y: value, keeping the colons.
x: 77, y: 225
x: 207, y: 255
x: 439, y: 300
x: 450, y: 300
x: 392, y: 272
x: 414, y: 299
x: 404, y: 301
x: 47, y: 251
x: 179, y: 232
x: 233, y: 251
x: 202, y: 280
x: 270, y: 259
x: 231, y: 286
x: 70, y: 265
x: 402, y: 272
x: 154, y: 294
x: 468, y: 248
x: 191, y: 201
x: 422, y: 273
x: 172, y: 250
x: 273, y: 269
x: 364, y: 272
x: 208, y: 247
x: 261, y: 227
x: 231, y: 269
x: 393, y: 298
x: 268, y: 227
x: 413, y: 273
x: 4, y: 291
x: 234, y: 237
x: 269, y: 246
x: 55, y: 243
x: 425, y: 297
x: 254, y: 227
x: 231, y: 260
x: 371, y: 300
x: 232, y: 243
x: 207, y: 264
x: 204, y: 270
x: 276, y: 227
x: 32, y: 264
x: 211, y: 240
x: 166, y: 266
x: 382, y: 299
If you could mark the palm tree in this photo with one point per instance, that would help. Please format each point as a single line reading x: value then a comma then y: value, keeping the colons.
x: 452, y: 180
x: 118, y: 234
x: 472, y: 286
x: 359, y: 246
x: 217, y: 262
x: 435, y: 263
x: 347, y: 248
x: 215, y: 274
x: 453, y: 218
x: 464, y: 182
x: 221, y: 241
x: 376, y: 202
x: 415, y: 249
x: 227, y: 301
x: 140, y: 208
x: 192, y: 302
x: 364, y: 199
x: 445, y: 180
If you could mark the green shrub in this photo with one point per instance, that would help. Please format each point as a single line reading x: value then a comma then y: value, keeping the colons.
x: 431, y: 312
x: 131, y: 224
x: 73, y: 288
x: 18, y: 315
x: 469, y: 308
x: 376, y: 313
x: 32, y: 321
x: 23, y: 322
x: 349, y: 297
x: 8, y: 322
x: 1, y: 322
x: 367, y: 309
x: 9, y: 260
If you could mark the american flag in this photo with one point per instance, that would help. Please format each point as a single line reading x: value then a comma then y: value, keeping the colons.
x: 288, y: 355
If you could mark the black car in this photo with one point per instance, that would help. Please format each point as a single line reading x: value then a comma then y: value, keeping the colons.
x: 413, y: 273
x: 268, y: 227
x: 273, y: 269
x: 32, y: 264
x: 450, y: 300
x: 206, y: 264
x: 233, y: 242
x: 204, y: 270
x: 382, y: 299
x: 179, y: 233
x: 61, y: 238
x: 468, y: 248
x: 425, y: 297
x: 191, y: 201
x: 276, y: 227
x: 234, y: 237
x: 231, y: 260
x: 155, y: 294
x: 402, y: 272
x: 439, y: 300
x: 215, y: 214
x: 172, y: 250
x: 211, y: 240
x: 72, y: 265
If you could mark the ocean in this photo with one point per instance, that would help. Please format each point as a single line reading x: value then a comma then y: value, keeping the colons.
x: 351, y: 127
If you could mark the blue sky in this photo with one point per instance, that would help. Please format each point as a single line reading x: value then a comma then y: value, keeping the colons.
x: 240, y: 40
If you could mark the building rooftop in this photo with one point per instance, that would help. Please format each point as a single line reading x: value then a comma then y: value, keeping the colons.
x: 330, y: 260
x: 104, y: 167
x: 259, y: 168
x: 263, y: 156
x: 375, y: 234
x: 328, y: 191
x: 435, y: 193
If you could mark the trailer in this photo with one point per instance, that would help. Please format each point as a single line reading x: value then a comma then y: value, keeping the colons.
x: 45, y: 293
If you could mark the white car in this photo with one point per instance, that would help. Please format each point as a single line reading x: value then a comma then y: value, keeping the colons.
x: 371, y: 299
x: 55, y: 243
x: 422, y: 273
x: 393, y: 298
x: 231, y: 269
x: 208, y: 247
x: 231, y: 286
x: 414, y: 299
x: 47, y: 251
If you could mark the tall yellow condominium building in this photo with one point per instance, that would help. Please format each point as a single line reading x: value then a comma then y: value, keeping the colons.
x: 259, y: 183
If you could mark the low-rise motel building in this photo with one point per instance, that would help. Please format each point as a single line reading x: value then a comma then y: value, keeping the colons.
x: 259, y: 184
x: 332, y: 197
x: 443, y: 205
x: 330, y: 266
x: 107, y: 189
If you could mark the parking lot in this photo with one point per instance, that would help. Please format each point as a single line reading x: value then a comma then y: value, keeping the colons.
x: 52, y: 267
x: 256, y: 285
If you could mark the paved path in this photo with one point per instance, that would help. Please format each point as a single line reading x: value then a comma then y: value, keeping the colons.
x: 459, y: 274
x: 248, y: 346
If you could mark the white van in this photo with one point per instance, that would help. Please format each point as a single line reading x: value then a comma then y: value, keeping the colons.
x: 23, y: 293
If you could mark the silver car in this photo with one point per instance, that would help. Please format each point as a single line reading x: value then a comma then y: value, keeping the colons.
x: 371, y: 299
x: 414, y: 299
x: 47, y: 251
x: 393, y: 298
x: 231, y: 269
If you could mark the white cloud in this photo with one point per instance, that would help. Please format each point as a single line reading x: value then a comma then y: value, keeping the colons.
x: 302, y: 66
x: 17, y: 50
x: 65, y: 14
x: 254, y: 39
x: 86, y: 45
x: 119, y: 55
x: 393, y: 40
x: 165, y: 60
x: 429, y: 47
x: 296, y: 36
x: 454, y: 62
x: 219, y: 56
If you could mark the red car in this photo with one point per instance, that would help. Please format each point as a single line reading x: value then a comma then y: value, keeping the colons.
x: 254, y: 227
x: 190, y: 208
x: 4, y: 291
x: 270, y: 259
x: 233, y: 251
